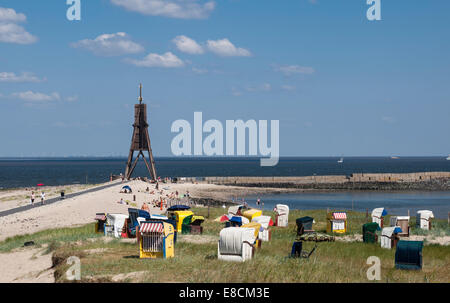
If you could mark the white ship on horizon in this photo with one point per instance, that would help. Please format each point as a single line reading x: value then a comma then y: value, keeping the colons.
x: 448, y: 158
x: 341, y: 160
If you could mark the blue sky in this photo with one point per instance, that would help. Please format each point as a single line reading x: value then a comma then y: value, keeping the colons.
x: 338, y: 83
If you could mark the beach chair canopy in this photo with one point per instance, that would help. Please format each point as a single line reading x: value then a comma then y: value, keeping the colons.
x: 100, y: 217
x: 409, y: 255
x: 197, y: 220
x: 144, y: 214
x: 252, y: 213
x: 395, y: 220
x: 339, y: 215
x: 372, y: 227
x: 403, y: 218
x: 158, y: 217
x: 306, y: 222
x: 239, y: 220
x: 232, y: 238
x: 379, y: 212
x: 389, y: 231
x: 187, y: 220
x: 425, y: 214
x: 256, y: 227
x: 233, y: 210
x: 281, y: 209
x: 151, y: 227
x: 265, y: 221
x: 181, y: 214
x: 178, y: 207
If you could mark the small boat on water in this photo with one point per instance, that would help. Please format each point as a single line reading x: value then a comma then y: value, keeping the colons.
x: 341, y: 160
x: 448, y: 158
x: 394, y: 157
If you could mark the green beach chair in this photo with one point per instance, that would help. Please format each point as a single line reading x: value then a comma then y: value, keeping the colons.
x: 186, y: 225
x: 369, y: 232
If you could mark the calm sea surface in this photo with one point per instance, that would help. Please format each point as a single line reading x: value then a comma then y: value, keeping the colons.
x: 396, y: 203
x: 29, y: 172
x: 22, y: 173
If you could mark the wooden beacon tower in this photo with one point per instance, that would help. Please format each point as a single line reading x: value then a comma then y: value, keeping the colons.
x: 140, y: 141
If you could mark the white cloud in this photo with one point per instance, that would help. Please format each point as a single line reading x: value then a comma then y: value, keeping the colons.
x: 225, y: 48
x: 71, y: 98
x: 265, y: 87
x: 154, y: 60
x: 294, y: 69
x: 182, y: 9
x: 188, y: 45
x: 110, y: 45
x: 199, y: 70
x: 10, y: 31
x: 10, y: 15
x: 24, y: 77
x: 30, y: 96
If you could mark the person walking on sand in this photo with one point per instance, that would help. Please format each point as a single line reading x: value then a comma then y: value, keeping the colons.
x: 43, y: 198
x: 32, y: 198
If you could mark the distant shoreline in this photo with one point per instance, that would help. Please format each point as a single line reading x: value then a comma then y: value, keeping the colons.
x: 423, y: 181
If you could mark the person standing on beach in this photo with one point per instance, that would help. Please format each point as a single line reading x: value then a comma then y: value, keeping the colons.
x: 43, y: 198
x: 32, y: 198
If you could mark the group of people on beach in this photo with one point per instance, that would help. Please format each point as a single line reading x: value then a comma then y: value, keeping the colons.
x: 33, y: 197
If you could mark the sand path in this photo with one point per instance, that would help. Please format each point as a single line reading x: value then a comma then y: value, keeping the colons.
x: 26, y: 265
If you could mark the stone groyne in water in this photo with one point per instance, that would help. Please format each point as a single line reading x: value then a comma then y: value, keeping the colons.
x: 425, y: 181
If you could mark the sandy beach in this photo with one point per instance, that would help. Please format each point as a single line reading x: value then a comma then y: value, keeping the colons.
x: 32, y: 264
x: 82, y: 209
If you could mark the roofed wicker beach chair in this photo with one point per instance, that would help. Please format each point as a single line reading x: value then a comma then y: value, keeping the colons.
x: 409, y: 255
x: 369, y: 232
x: 389, y: 237
x: 192, y: 225
x: 403, y: 223
x: 265, y: 221
x: 304, y: 225
x: 424, y: 218
x: 236, y: 244
x: 100, y: 224
x: 133, y: 222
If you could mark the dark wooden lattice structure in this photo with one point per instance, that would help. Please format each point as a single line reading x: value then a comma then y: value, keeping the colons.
x: 140, y: 141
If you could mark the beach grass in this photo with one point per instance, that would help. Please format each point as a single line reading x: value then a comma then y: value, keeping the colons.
x: 103, y: 259
x: 57, y: 236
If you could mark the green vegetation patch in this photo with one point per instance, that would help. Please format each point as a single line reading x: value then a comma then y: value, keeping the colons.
x: 105, y: 261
